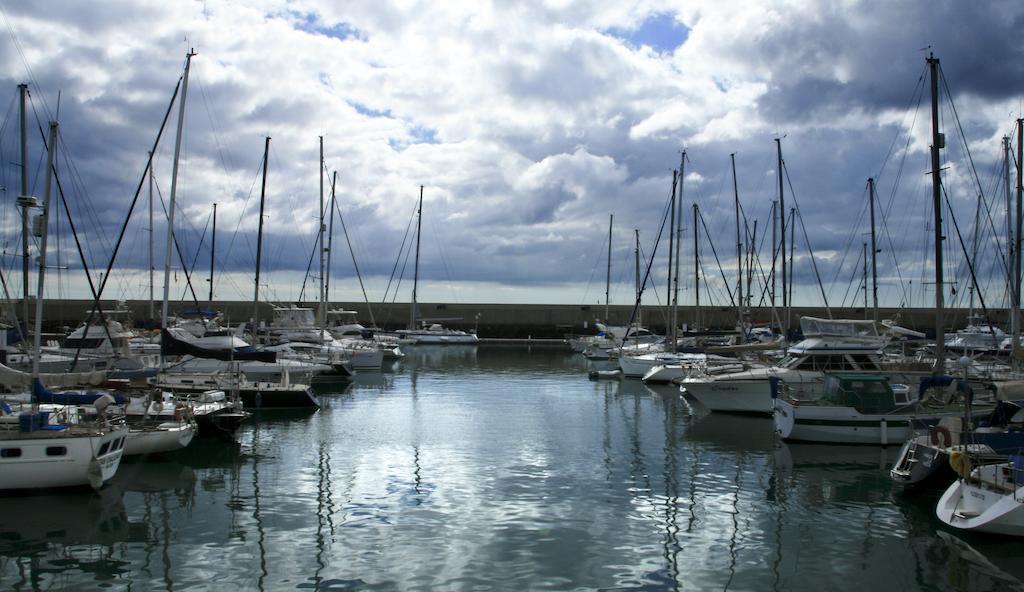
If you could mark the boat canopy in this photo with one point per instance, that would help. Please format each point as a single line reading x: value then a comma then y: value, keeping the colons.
x: 837, y: 327
x: 867, y: 393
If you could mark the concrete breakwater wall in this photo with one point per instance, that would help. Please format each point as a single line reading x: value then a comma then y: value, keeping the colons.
x: 511, y: 320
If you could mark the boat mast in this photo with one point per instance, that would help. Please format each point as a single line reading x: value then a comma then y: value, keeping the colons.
x: 174, y: 193
x: 782, y: 230
x: 44, y: 220
x: 865, y: 279
x: 938, y: 142
x: 639, y: 293
x: 608, y: 275
x: 25, y: 201
x: 671, y: 329
x: 322, y: 308
x: 775, y: 246
x: 259, y: 246
x: 213, y: 250
x: 739, y: 247
x: 152, y: 267
x: 679, y: 240
x: 1011, y: 249
x: 416, y: 269
x: 696, y: 266
x: 1017, y: 238
x: 874, y: 247
x: 330, y: 240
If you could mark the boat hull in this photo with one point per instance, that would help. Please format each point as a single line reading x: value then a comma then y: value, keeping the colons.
x: 89, y: 461
x: 971, y: 504
x: 842, y: 425
x: 160, y: 438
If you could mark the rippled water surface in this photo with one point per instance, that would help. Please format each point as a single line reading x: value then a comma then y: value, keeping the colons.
x: 499, y: 468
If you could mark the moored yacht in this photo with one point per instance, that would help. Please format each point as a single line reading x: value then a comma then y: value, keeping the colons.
x: 850, y: 346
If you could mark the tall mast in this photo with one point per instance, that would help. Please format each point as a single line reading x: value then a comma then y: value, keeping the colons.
x: 259, y: 246
x: 43, y: 224
x: 639, y: 293
x: 330, y: 241
x: 213, y: 251
x: 671, y: 329
x: 782, y: 228
x: 416, y: 269
x: 874, y: 248
x: 174, y: 193
x: 679, y: 240
x: 322, y: 308
x: 696, y: 266
x: 152, y: 267
x: 1010, y: 246
x: 25, y: 202
x: 750, y: 264
x: 775, y: 246
x: 608, y: 276
x: 865, y: 279
x: 1017, y: 238
x: 938, y: 142
x: 739, y: 244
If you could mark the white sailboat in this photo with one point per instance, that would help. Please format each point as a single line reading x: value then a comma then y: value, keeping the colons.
x: 989, y: 498
x: 38, y: 450
x: 432, y: 333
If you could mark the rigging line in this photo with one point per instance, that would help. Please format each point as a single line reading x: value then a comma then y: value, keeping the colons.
x: 728, y: 289
x: 177, y: 246
x: 309, y: 268
x: 74, y: 175
x: 241, y: 216
x: 444, y: 259
x: 398, y: 258
x: 209, y: 117
x: 138, y: 191
x: 344, y: 229
x: 849, y: 284
x: 963, y: 247
x: 85, y: 267
x: 918, y: 89
x: 807, y: 239
x: 850, y: 238
x: 647, y: 274
x: 199, y: 247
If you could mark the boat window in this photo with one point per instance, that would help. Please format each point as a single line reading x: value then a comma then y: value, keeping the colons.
x: 103, y: 449
x: 84, y: 343
x: 10, y: 452
x: 56, y: 450
x: 790, y: 362
x: 865, y: 362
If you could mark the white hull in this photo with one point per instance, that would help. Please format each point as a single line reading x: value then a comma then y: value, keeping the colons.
x: 662, y: 373
x: 841, y: 425
x: 731, y: 396
x: 89, y: 460
x: 164, y: 437
x: 432, y: 338
x: 988, y: 502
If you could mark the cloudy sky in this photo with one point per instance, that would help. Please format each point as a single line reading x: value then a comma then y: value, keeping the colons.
x: 528, y: 124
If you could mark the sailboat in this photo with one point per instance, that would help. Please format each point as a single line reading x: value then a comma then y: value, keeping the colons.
x: 434, y: 333
x: 38, y: 450
x: 990, y: 497
x: 215, y: 384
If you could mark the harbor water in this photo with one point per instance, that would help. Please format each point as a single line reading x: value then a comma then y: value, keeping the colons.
x: 499, y: 468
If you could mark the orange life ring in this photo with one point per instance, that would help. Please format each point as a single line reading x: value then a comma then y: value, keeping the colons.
x: 936, y: 431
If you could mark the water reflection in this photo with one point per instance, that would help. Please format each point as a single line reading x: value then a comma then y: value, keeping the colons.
x: 502, y: 469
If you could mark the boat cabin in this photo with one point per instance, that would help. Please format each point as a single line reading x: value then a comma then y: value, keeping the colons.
x: 867, y: 393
